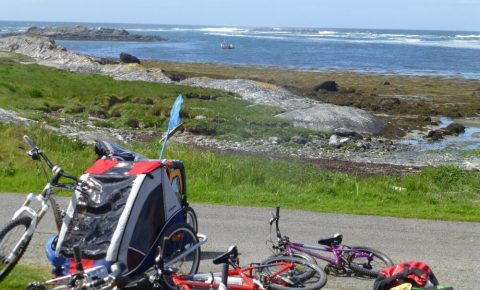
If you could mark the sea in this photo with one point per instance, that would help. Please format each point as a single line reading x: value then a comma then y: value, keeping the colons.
x: 404, y: 52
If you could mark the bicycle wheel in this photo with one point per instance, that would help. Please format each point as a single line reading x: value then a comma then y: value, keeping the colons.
x: 10, y: 235
x: 191, y: 218
x: 293, y: 278
x: 368, y: 266
x: 299, y: 255
x: 179, y: 239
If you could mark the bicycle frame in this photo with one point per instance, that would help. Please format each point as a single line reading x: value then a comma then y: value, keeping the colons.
x: 336, y: 251
x: 246, y: 274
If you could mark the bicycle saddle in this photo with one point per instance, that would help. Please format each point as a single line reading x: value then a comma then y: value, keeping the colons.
x: 332, y: 241
x: 232, y: 253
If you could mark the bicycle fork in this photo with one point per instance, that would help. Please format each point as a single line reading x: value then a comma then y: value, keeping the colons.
x: 25, y: 209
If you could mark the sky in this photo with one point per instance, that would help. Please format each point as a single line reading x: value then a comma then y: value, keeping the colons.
x: 387, y: 14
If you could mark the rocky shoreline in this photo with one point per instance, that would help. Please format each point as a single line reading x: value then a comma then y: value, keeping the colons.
x: 350, y: 144
x: 79, y: 32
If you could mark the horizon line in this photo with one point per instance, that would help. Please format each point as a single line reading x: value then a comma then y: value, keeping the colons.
x: 241, y: 26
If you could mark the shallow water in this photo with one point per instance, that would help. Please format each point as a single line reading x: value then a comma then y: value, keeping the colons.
x: 469, y: 140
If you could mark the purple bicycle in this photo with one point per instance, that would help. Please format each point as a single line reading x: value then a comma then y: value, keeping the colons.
x: 363, y: 261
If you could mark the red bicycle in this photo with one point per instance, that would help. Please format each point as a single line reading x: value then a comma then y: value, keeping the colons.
x: 279, y: 273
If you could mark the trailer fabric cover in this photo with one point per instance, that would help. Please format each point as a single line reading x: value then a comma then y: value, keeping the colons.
x: 93, y: 229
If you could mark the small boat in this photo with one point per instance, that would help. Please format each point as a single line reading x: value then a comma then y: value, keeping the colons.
x: 226, y: 45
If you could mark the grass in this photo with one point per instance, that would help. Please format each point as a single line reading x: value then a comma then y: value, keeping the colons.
x: 43, y: 93
x: 22, y: 275
x: 444, y: 193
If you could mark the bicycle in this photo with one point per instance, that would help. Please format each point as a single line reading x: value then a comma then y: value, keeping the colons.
x: 279, y: 273
x: 361, y: 260
x: 183, y: 248
x: 15, y: 236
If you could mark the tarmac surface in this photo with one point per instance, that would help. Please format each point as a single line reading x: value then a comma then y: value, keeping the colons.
x: 451, y: 249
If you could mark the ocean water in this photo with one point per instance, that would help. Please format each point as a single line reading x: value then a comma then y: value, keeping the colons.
x: 409, y: 52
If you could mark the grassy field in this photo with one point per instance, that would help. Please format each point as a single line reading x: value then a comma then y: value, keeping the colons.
x: 445, y: 193
x: 406, y: 103
x: 22, y: 275
x: 42, y: 93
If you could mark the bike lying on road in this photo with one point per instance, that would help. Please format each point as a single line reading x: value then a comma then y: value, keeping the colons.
x: 279, y: 273
x: 363, y: 261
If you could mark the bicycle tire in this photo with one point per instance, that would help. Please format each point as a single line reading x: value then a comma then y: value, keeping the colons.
x: 191, y: 218
x: 364, y: 266
x: 188, y: 238
x: 299, y: 255
x: 6, y: 246
x: 292, y: 279
x: 57, y: 213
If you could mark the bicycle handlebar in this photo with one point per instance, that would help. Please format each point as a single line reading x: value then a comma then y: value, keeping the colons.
x: 30, y: 142
x: 275, y: 220
x: 36, y: 153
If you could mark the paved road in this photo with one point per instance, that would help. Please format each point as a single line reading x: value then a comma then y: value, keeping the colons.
x: 452, y: 249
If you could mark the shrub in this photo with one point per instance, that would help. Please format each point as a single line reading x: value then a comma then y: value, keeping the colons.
x: 132, y: 123
x: 35, y: 93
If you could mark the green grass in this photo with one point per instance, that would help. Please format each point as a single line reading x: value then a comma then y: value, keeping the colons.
x: 40, y: 92
x: 445, y: 193
x: 22, y: 275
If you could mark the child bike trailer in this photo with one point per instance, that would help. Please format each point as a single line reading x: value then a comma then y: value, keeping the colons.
x: 121, y: 210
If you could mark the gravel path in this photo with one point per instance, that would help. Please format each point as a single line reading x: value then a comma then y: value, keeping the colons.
x: 450, y: 248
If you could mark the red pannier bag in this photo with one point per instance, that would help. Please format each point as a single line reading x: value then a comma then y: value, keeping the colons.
x: 417, y: 273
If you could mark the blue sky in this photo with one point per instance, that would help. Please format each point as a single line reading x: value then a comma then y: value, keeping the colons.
x: 397, y: 14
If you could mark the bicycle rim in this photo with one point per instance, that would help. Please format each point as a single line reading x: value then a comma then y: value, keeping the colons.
x: 179, y: 240
x: 369, y: 266
x: 303, y: 275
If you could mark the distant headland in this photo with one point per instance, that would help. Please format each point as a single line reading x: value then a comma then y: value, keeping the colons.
x: 79, y: 32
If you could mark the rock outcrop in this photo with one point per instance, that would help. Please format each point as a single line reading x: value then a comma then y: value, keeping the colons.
x: 303, y: 112
x: 83, y: 33
x: 45, y: 51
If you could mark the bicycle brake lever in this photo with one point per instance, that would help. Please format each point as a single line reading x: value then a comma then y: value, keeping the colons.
x: 271, y: 221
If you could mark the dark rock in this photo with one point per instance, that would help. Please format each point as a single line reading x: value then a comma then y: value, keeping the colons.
x: 476, y: 94
x: 435, y: 135
x: 175, y: 77
x: 386, y: 82
x: 351, y: 134
x: 455, y: 129
x: 128, y: 58
x: 330, y: 86
x: 427, y: 119
x: 299, y: 140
